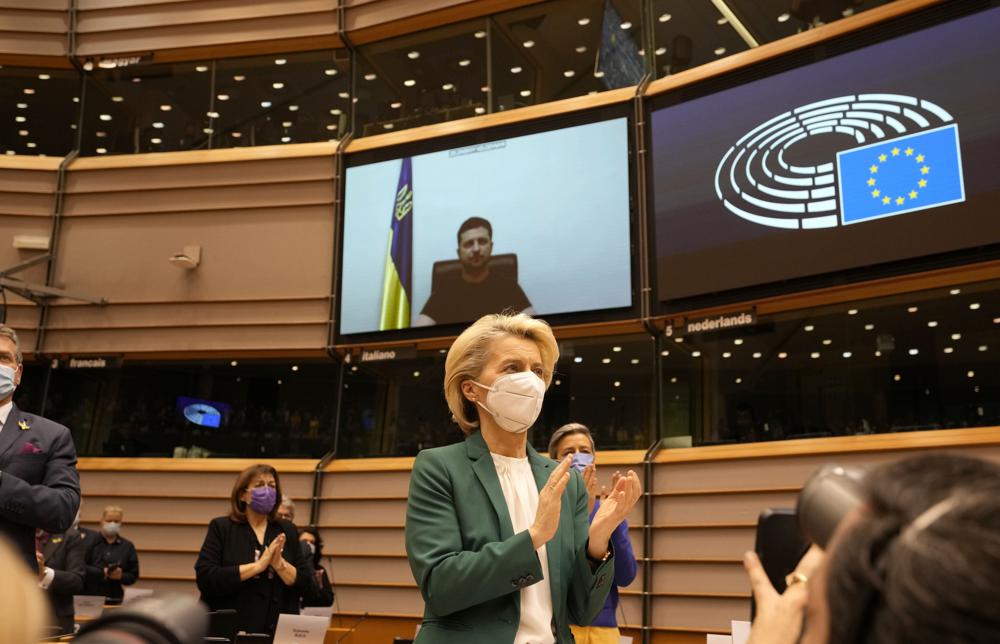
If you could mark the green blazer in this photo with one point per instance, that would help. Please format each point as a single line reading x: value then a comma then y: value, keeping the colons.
x: 469, y: 564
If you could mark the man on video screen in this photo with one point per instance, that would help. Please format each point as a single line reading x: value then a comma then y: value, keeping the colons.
x: 475, y: 291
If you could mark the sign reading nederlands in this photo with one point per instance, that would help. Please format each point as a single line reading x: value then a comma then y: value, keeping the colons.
x: 720, y: 322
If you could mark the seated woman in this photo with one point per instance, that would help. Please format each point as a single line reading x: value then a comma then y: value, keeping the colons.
x: 321, y: 590
x: 250, y: 560
x: 497, y: 535
x: 574, y: 440
x: 919, y: 563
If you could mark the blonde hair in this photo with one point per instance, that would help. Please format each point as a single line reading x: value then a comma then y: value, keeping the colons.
x: 113, y: 508
x: 23, y: 601
x: 470, y: 352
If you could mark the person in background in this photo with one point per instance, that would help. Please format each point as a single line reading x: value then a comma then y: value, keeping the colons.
x: 576, y: 441
x: 25, y: 611
x: 61, y: 572
x: 112, y: 561
x: 321, y: 592
x: 919, y: 563
x: 39, y: 485
x: 286, y: 509
x: 251, y: 560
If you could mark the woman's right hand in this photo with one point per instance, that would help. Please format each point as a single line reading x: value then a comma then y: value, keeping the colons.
x: 549, y: 505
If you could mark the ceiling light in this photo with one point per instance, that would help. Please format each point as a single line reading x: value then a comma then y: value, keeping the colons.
x: 558, y: 382
x: 847, y: 354
x: 721, y: 21
x: 201, y: 68
x: 480, y: 110
x: 696, y: 354
x: 782, y: 355
x: 212, y: 115
x: 719, y: 51
x: 44, y: 77
x: 117, y: 99
x: 814, y: 355
x: 166, y: 108
x: 634, y: 361
x: 336, y: 111
x: 158, y: 125
x: 28, y: 90
x: 465, y: 62
x: 22, y: 132
x: 265, y: 104
x: 852, y: 311
x: 100, y: 134
x: 757, y: 355
x: 31, y: 145
x: 738, y: 341
x: 528, y: 44
x: 22, y: 106
x: 660, y: 51
x: 280, y: 61
x: 913, y: 352
x: 664, y: 353
x: 578, y: 359
x: 626, y: 25
x: 236, y: 135
x: 956, y: 336
x: 448, y: 87
x: 19, y: 119
x: 286, y: 139
x: 223, y: 97
x: 605, y: 360
x: 416, y: 374
x: 784, y: 17
x: 974, y: 306
x: 233, y: 363
x: 869, y: 327
x: 949, y: 349
x: 808, y: 327
x: 616, y: 349
x: 484, y: 88
x: 996, y: 320
x: 331, y: 126
x: 278, y: 85
x: 76, y: 99
x: 515, y: 70
x: 971, y: 374
x: 932, y: 323
x: 105, y: 117
x: 413, y: 55
x: 136, y: 79
x: 525, y: 92
x: 673, y: 380
x: 897, y: 377
x: 293, y: 108
x: 598, y: 74
x: 156, y: 141
x: 370, y: 76
x: 912, y: 309
x: 618, y: 383
x: 395, y: 105
x: 286, y: 124
x: 98, y: 150
x: 239, y: 78
x: 207, y: 130
x: 739, y: 381
x: 569, y: 73
x: 726, y: 354
x: 827, y: 341
x: 983, y: 348
x: 409, y: 82
x: 664, y: 17
x: 581, y: 49
x: 583, y: 22
x: 330, y: 72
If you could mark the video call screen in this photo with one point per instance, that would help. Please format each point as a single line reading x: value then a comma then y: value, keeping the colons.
x: 886, y: 153
x: 537, y: 223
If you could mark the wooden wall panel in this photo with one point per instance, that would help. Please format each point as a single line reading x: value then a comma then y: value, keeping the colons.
x: 37, y: 28
x: 138, y: 25
x: 266, y: 230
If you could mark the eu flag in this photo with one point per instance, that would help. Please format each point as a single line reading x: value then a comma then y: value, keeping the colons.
x: 397, y: 282
x: 907, y: 174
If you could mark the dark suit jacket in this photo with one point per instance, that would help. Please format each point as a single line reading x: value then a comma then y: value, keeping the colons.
x: 39, y: 486
x: 64, y: 553
x: 257, y: 600
x: 469, y: 564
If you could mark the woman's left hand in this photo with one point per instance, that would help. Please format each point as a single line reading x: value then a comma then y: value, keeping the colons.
x: 780, y: 617
x: 614, y: 508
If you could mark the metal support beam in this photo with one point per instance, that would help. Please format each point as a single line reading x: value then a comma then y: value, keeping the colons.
x: 737, y: 24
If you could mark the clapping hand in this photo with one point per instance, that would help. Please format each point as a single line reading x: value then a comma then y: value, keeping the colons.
x: 614, y: 508
x: 549, y: 505
x: 593, y: 487
x: 274, y: 552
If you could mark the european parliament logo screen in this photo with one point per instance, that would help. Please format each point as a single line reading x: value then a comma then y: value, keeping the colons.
x: 882, y: 154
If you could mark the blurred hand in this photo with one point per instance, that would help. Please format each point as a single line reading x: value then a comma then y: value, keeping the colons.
x: 115, y: 574
x: 549, y: 504
x: 780, y: 617
x: 40, y: 562
x: 274, y: 552
x: 614, y: 508
x: 593, y: 491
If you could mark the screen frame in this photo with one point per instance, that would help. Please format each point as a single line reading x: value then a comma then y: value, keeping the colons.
x: 853, y: 41
x: 614, y: 111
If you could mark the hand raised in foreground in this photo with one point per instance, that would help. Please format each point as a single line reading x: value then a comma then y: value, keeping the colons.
x: 780, y: 617
x: 549, y: 504
x: 614, y: 508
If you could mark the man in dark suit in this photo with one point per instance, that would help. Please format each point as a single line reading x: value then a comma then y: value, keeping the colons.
x: 61, y: 572
x: 39, y: 486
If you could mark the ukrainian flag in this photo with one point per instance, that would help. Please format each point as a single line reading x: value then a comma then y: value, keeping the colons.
x: 397, y: 283
x: 905, y: 174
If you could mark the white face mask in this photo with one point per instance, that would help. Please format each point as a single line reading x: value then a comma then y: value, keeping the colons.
x: 515, y: 400
x: 7, y: 377
x: 111, y: 528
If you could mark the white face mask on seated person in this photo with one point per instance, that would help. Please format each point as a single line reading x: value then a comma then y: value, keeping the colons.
x: 514, y: 400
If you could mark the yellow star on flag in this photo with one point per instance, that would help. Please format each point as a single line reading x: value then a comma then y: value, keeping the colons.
x: 876, y: 192
x: 922, y: 183
x: 895, y: 152
x: 873, y: 169
x: 909, y: 152
x: 899, y: 201
x: 871, y: 181
x: 882, y: 158
x: 913, y: 194
x: 924, y: 170
x: 886, y: 200
x: 920, y: 158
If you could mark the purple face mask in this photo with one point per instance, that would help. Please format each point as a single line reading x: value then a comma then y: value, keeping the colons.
x: 581, y: 460
x: 262, y: 499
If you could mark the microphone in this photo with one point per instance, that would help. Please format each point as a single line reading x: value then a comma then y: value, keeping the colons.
x: 355, y: 626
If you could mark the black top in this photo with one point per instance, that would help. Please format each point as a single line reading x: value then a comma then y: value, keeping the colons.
x: 456, y: 300
x: 64, y: 554
x: 320, y: 591
x: 102, y: 557
x: 260, y: 599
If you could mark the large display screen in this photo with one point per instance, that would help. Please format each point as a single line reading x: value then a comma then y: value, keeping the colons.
x: 886, y: 153
x: 537, y: 223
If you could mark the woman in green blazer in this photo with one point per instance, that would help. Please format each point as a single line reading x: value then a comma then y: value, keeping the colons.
x: 497, y: 536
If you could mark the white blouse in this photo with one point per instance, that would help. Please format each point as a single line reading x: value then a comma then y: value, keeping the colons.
x: 521, y: 494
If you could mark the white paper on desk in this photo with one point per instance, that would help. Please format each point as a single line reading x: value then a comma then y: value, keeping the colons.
x: 135, y: 593
x: 718, y: 639
x: 741, y: 631
x: 318, y: 611
x: 88, y: 605
x: 300, y: 629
